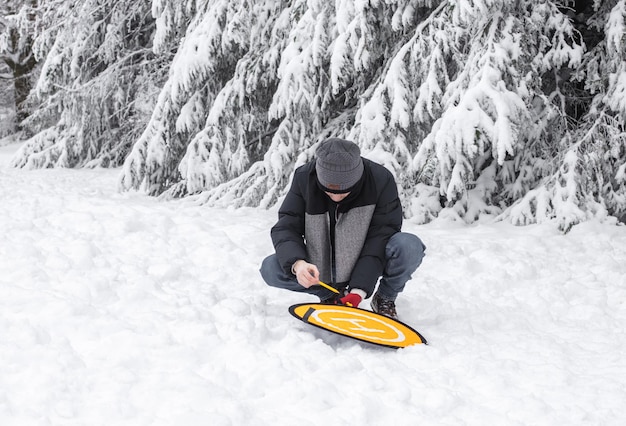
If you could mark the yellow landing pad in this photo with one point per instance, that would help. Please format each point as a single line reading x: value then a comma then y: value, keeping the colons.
x: 358, y: 323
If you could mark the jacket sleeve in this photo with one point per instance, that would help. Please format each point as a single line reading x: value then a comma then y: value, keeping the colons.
x: 386, y: 221
x: 288, y: 233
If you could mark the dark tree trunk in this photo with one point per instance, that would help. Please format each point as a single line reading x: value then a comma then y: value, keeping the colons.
x: 22, y: 85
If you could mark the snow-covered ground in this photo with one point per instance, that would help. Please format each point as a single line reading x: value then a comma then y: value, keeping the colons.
x: 118, y: 309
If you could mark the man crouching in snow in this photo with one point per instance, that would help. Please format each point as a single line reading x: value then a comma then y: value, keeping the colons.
x: 340, y: 224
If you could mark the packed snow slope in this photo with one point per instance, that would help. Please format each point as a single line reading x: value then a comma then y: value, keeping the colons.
x: 119, y: 309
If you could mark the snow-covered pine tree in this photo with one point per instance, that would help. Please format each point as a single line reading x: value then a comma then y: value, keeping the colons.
x: 95, y: 87
x: 606, y: 120
x: 602, y: 132
x: 215, y: 39
x: 240, y: 127
x: 471, y: 84
x: 590, y: 180
x: 17, y: 62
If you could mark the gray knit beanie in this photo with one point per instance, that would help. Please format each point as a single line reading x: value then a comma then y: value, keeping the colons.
x: 338, y: 165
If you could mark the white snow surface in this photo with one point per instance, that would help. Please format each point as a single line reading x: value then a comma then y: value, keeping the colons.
x: 120, y: 309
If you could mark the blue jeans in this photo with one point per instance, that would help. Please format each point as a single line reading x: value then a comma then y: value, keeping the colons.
x: 404, y: 254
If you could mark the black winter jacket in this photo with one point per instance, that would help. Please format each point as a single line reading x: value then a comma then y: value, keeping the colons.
x: 345, y: 240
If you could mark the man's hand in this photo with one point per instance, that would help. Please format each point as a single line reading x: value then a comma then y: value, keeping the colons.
x: 306, y: 273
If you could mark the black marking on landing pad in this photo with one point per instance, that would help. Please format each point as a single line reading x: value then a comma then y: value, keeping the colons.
x: 307, y: 314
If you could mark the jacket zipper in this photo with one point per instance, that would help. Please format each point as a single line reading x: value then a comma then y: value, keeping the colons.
x: 332, y: 239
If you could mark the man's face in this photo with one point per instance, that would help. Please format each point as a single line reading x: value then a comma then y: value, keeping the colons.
x: 337, y: 197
